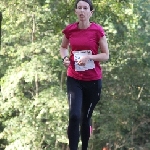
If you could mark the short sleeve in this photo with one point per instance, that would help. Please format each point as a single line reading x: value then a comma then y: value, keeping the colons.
x: 66, y: 31
x: 101, y: 32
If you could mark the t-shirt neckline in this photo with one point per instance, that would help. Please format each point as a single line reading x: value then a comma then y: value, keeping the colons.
x: 86, y: 28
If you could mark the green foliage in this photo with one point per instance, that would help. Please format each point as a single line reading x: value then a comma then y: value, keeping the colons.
x: 33, y: 101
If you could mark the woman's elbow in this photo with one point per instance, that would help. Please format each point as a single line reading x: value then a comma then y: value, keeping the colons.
x: 107, y: 57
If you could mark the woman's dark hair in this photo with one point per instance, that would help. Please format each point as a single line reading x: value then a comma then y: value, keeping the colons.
x: 87, y: 1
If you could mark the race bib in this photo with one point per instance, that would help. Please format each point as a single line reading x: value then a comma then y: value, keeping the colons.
x: 78, y: 55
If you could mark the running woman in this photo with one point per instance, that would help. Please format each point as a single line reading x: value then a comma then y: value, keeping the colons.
x: 88, y: 47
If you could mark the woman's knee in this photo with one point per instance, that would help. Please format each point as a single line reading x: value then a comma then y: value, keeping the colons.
x: 74, y: 118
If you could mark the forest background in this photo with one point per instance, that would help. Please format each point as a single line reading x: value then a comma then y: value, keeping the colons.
x: 33, y: 101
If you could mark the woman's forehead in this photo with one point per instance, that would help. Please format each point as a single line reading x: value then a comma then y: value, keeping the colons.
x: 83, y: 3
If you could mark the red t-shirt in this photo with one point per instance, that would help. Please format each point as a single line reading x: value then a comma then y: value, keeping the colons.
x: 84, y: 39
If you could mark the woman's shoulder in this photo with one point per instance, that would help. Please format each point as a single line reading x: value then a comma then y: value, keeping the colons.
x: 96, y: 25
x: 98, y: 29
x: 71, y: 26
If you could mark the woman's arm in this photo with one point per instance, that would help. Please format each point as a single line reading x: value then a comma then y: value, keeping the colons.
x: 64, y: 47
x: 104, y: 55
x: 64, y: 51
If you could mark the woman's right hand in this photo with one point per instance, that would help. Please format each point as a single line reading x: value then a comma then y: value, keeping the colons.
x: 66, y: 62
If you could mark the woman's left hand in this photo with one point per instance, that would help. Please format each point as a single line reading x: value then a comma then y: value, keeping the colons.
x: 83, y: 60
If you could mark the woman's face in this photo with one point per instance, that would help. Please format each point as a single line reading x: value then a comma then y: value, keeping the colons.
x: 83, y: 11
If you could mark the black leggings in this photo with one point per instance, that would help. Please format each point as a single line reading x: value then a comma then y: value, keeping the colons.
x: 82, y: 97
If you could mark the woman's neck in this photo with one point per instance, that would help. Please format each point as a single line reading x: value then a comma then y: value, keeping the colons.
x: 84, y: 25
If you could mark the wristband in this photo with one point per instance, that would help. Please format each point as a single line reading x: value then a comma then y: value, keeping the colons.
x: 64, y: 58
